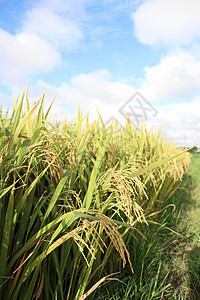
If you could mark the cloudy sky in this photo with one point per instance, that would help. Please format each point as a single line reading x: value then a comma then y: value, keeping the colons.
x: 137, y: 57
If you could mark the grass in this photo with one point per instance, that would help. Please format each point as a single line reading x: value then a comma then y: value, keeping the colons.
x: 193, y: 223
x: 79, y: 203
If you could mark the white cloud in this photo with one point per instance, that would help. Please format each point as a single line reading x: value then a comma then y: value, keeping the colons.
x: 24, y: 54
x: 48, y: 29
x: 90, y: 90
x: 52, y: 26
x: 99, y: 85
x: 169, y: 22
x: 177, y: 75
x: 181, y: 122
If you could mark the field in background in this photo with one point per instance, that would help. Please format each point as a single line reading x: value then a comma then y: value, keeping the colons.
x: 76, y: 200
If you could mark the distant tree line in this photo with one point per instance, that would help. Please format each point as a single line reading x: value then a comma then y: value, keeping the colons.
x: 193, y: 150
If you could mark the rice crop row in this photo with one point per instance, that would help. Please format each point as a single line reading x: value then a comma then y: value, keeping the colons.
x: 71, y: 198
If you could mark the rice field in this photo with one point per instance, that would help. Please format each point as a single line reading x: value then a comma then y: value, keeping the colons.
x: 73, y: 199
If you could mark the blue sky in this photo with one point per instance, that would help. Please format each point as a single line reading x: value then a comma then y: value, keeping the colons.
x: 100, y: 53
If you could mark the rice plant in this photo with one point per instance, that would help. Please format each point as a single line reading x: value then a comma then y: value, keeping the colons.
x: 72, y: 196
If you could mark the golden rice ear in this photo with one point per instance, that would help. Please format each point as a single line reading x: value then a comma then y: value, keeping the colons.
x: 124, y: 191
